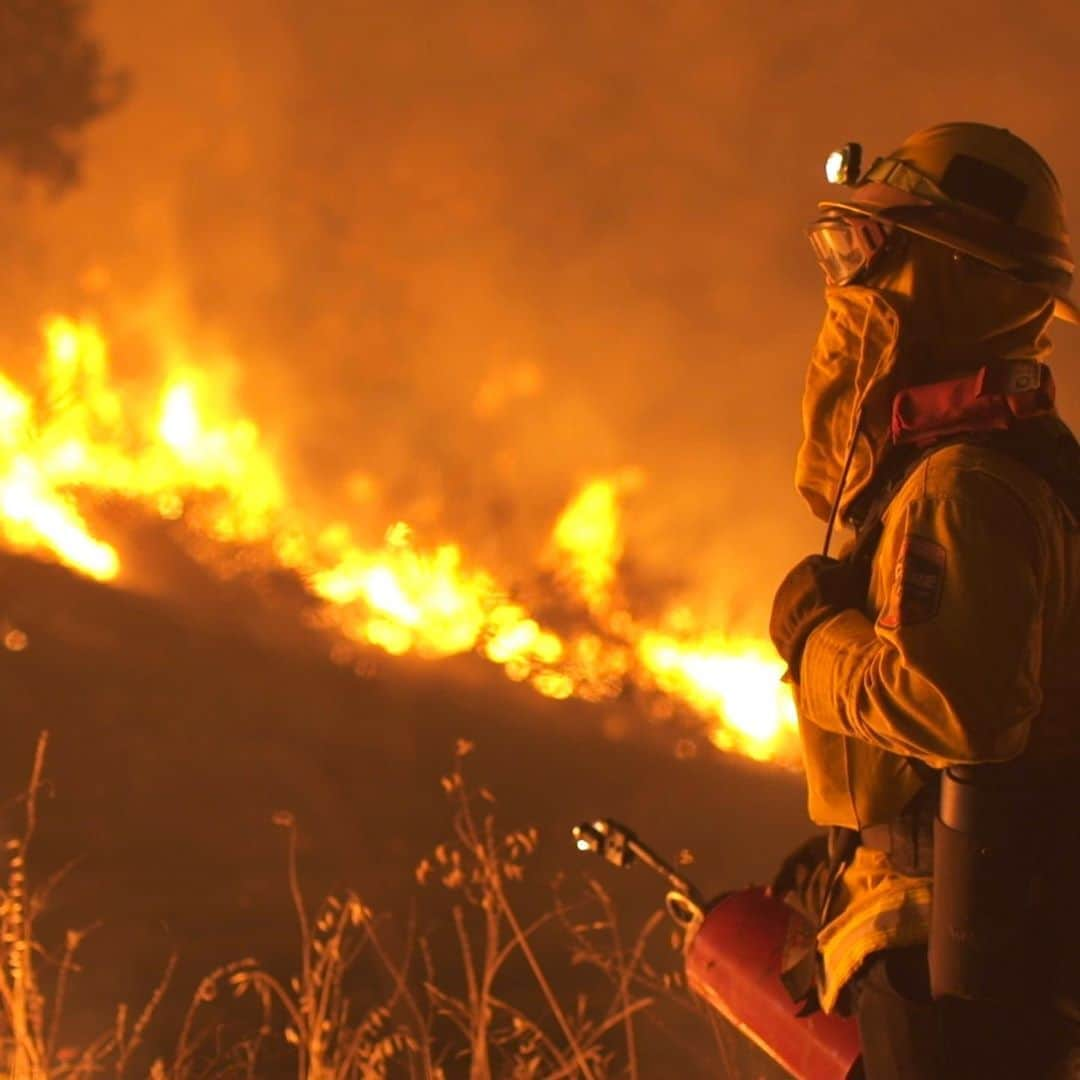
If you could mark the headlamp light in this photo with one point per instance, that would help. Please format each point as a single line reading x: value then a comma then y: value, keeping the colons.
x: 843, y: 164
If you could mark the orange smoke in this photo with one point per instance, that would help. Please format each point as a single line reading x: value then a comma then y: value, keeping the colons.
x: 81, y: 435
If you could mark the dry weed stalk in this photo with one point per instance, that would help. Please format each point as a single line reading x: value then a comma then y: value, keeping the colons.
x: 30, y: 1022
x: 632, y: 973
x: 318, y: 1022
x: 329, y: 1044
x: 411, y: 1032
x: 480, y: 866
x: 497, y: 1016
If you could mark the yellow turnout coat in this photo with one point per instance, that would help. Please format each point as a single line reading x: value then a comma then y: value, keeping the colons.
x: 968, y: 649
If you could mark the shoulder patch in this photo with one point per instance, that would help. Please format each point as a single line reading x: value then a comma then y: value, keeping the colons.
x: 918, y: 582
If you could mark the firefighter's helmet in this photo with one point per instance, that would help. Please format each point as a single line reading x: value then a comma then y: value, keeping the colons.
x: 977, y: 189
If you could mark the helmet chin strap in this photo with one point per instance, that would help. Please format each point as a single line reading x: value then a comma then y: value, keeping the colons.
x: 834, y: 513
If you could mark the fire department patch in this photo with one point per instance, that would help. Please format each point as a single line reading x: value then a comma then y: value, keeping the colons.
x: 917, y: 584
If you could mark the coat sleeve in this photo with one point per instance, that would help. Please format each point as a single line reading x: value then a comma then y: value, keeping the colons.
x: 947, y: 666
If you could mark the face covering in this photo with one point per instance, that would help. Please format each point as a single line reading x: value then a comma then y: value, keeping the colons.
x: 849, y: 375
x: 922, y: 316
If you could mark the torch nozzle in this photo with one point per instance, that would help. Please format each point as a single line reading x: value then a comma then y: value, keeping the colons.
x: 619, y: 846
x: 588, y: 838
x: 613, y: 841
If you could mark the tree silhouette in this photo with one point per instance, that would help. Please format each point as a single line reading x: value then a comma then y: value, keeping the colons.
x: 53, y: 82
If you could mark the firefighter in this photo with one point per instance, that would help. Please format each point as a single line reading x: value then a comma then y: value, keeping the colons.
x: 936, y: 663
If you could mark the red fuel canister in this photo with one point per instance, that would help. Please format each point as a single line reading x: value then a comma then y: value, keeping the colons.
x: 734, y: 962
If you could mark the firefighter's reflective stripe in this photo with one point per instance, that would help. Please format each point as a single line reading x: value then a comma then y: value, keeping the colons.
x: 878, y: 908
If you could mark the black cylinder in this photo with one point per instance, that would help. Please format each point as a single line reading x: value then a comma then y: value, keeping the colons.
x: 984, y: 932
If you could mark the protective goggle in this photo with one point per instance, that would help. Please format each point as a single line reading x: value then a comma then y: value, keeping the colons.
x: 846, y: 245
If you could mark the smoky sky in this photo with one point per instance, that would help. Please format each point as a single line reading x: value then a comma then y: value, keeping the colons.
x: 465, y: 256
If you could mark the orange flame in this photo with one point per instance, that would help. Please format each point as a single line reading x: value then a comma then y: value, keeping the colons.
x: 587, y: 536
x: 82, y: 437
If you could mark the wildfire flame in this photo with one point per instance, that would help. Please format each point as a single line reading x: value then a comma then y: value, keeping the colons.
x: 82, y: 436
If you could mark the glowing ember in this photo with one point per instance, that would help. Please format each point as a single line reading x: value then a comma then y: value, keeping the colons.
x: 79, y: 437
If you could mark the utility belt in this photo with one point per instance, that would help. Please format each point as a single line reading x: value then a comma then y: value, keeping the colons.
x: 908, y: 840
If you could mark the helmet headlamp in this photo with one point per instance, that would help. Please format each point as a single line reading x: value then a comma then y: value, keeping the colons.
x: 843, y: 164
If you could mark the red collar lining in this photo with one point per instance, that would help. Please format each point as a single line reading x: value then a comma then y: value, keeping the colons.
x: 990, y: 400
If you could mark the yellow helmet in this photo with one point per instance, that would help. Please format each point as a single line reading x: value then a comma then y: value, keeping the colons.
x: 975, y: 188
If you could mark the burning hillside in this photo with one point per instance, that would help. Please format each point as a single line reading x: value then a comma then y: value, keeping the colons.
x: 175, y: 737
x: 181, y: 449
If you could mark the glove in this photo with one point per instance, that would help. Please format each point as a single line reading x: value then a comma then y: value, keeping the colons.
x: 814, y: 591
x: 795, y: 871
x: 798, y: 884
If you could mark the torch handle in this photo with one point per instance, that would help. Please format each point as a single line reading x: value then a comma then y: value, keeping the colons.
x: 662, y: 867
x: 620, y: 846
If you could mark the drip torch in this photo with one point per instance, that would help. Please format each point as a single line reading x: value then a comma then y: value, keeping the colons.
x: 735, y: 947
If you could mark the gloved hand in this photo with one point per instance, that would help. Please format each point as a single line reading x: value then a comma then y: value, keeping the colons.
x: 799, y: 883
x: 795, y: 871
x: 814, y: 590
